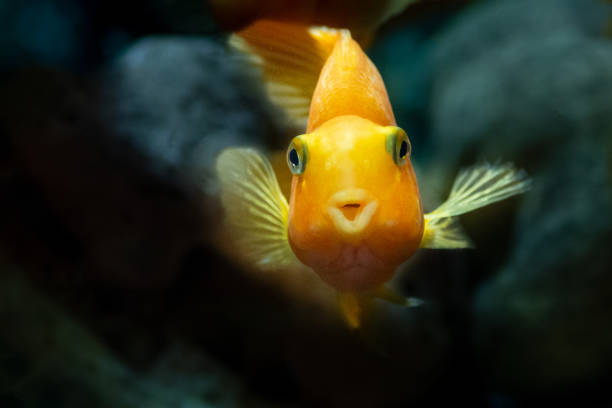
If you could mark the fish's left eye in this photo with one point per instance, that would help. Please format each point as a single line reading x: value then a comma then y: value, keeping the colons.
x: 398, y: 145
x: 297, y: 155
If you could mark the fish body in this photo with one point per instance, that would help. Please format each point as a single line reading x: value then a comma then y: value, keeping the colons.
x: 354, y: 213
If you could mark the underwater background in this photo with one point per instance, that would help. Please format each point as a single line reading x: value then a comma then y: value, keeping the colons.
x: 118, y: 289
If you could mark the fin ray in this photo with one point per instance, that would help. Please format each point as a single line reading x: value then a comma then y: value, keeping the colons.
x: 473, y: 188
x: 290, y: 57
x: 480, y: 186
x: 351, y: 307
x: 444, y: 233
x: 256, y: 209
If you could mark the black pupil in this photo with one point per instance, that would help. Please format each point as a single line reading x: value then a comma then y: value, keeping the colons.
x: 403, y: 149
x: 294, y: 158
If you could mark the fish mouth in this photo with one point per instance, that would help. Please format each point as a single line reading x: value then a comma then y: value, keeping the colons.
x: 351, y: 211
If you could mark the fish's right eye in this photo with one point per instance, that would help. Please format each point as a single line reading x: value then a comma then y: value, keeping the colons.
x: 398, y: 145
x: 297, y: 155
x: 294, y: 159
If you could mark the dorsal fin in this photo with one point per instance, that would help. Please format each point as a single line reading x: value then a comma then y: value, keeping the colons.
x: 350, y: 84
x: 290, y: 57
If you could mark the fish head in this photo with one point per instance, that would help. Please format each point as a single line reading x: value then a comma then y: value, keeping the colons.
x: 355, y: 211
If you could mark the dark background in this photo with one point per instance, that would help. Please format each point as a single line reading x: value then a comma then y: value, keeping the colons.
x: 118, y: 288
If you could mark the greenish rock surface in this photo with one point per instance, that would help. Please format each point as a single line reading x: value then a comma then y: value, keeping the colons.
x: 540, y: 96
x: 120, y: 295
x: 49, y: 359
x: 500, y: 91
x: 543, y: 321
x: 179, y: 101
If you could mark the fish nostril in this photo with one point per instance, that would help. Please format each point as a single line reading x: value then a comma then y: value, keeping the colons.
x: 350, y: 210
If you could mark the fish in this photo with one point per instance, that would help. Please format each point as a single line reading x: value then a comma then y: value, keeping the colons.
x: 354, y: 213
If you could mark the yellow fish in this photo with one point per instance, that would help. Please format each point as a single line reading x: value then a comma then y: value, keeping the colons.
x: 354, y: 213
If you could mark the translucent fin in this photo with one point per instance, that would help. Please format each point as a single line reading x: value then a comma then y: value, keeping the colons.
x: 290, y: 57
x: 444, y: 233
x: 278, y: 160
x: 351, y: 308
x: 256, y: 209
x: 481, y: 185
x: 390, y: 295
x: 353, y: 305
x: 474, y: 187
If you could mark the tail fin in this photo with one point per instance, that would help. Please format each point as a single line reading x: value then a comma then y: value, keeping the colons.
x: 474, y: 187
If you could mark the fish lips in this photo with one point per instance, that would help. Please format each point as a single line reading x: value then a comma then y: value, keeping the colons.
x: 352, y: 212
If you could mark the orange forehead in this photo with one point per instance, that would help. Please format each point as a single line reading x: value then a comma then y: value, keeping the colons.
x: 348, y: 152
x: 344, y: 155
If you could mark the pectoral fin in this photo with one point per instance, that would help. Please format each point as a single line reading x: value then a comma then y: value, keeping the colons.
x: 473, y: 188
x: 256, y: 210
x: 353, y: 305
x: 386, y: 293
x: 444, y: 233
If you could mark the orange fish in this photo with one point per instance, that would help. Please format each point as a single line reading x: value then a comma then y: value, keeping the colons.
x: 354, y: 213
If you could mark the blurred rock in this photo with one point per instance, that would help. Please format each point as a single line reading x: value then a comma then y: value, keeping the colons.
x: 180, y: 101
x: 542, y: 323
x: 117, y: 220
x: 116, y: 172
x: 47, y: 359
x: 531, y: 82
x: 504, y: 92
x: 80, y: 35
x: 183, y: 16
x: 43, y: 31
